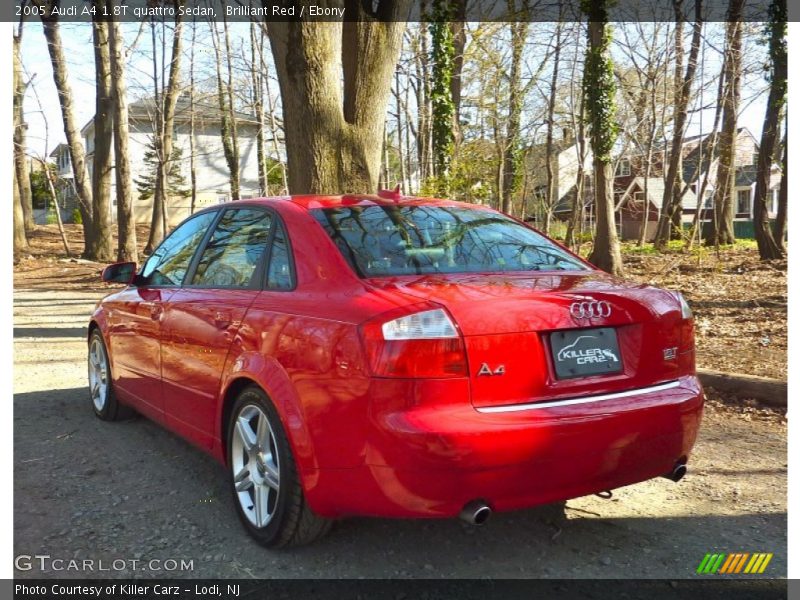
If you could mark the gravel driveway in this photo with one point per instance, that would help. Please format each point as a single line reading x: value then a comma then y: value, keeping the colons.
x: 131, y: 491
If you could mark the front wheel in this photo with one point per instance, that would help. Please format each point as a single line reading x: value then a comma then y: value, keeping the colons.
x: 263, y: 476
x: 104, y: 401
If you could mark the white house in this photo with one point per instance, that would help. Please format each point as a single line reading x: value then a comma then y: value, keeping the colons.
x: 213, y: 176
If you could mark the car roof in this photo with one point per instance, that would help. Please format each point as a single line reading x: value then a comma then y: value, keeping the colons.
x: 314, y: 201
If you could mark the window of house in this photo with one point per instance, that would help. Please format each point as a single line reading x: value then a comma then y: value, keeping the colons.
x: 708, y: 201
x: 623, y: 168
x: 638, y: 198
x: 222, y: 198
x: 743, y: 201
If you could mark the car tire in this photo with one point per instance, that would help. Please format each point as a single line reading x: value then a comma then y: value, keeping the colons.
x: 263, y: 476
x: 101, y: 387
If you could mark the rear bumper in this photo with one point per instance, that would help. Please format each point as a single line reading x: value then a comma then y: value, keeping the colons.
x: 429, y: 461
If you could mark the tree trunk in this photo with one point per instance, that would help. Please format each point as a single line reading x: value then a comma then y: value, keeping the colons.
x: 443, y: 124
x: 606, y: 253
x: 256, y: 75
x: 164, y: 135
x: 235, y: 156
x: 512, y: 152
x: 126, y: 224
x: 226, y: 125
x: 81, y: 183
x: 20, y: 239
x: 600, y: 91
x: 334, y: 119
x: 101, y: 247
x: 458, y: 32
x: 722, y: 224
x: 399, y: 122
x: 671, y: 208
x: 768, y: 247
x: 21, y: 170
x: 273, y: 129
x: 192, y: 149
x: 783, y: 194
x: 550, y: 199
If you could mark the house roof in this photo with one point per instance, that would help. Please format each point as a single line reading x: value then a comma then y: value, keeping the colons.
x: 57, y: 150
x: 144, y: 110
x: 655, y: 192
x: 564, y: 204
x: 205, y: 110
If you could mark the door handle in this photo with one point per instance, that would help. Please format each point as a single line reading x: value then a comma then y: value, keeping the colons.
x: 156, y: 310
x: 222, y: 319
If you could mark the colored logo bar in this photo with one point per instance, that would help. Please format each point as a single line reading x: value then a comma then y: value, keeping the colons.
x: 738, y: 562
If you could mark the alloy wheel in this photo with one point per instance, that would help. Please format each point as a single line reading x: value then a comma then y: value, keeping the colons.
x: 255, y: 465
x: 98, y: 374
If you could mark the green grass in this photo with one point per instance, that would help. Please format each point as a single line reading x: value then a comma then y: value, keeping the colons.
x: 678, y: 246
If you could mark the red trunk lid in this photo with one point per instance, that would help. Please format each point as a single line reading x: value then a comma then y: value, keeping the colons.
x: 508, y: 319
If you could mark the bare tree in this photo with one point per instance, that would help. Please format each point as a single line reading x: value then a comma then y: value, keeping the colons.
x: 334, y: 118
x: 673, y: 194
x: 165, y: 126
x: 257, y: 81
x: 512, y: 159
x: 768, y: 246
x: 551, y: 107
x: 47, y: 169
x: 230, y: 145
x: 100, y: 244
x: 783, y: 197
x: 722, y: 223
x: 21, y: 170
x: 83, y: 190
x: 126, y: 226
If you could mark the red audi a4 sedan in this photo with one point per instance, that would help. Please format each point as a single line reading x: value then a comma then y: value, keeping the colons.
x: 396, y: 357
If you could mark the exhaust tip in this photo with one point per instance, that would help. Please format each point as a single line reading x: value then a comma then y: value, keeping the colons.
x: 677, y: 473
x: 476, y: 512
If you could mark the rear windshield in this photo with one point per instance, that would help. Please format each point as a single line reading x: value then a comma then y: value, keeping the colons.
x: 416, y: 240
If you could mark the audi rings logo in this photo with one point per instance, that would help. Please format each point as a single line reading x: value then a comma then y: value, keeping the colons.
x: 590, y: 309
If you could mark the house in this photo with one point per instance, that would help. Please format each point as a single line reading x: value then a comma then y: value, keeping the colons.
x: 565, y: 166
x: 629, y: 185
x: 213, y: 178
x: 64, y: 184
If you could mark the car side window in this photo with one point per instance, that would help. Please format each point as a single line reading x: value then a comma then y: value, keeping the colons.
x: 167, y: 266
x: 279, y: 276
x: 232, y: 255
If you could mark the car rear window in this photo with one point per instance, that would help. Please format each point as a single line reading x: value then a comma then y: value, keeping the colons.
x: 416, y: 240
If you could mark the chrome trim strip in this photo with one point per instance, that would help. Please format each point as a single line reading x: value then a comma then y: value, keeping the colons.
x: 569, y: 402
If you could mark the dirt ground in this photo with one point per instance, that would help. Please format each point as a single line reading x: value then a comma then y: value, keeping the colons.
x: 85, y: 489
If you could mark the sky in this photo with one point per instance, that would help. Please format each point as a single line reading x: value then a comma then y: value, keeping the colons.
x: 45, y: 130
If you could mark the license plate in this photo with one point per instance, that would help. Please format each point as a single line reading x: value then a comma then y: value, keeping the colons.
x: 584, y: 352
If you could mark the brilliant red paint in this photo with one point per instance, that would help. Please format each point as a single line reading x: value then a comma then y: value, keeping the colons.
x: 367, y: 445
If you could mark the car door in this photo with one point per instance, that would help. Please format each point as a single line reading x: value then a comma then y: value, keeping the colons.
x: 203, y: 317
x: 135, y: 318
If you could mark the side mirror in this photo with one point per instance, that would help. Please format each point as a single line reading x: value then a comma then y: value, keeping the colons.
x: 124, y: 272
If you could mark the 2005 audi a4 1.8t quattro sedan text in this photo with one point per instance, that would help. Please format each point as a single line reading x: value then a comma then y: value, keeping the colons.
x: 397, y: 357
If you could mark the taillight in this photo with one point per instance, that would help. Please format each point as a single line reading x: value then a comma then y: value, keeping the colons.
x: 415, y: 341
x: 687, y: 324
